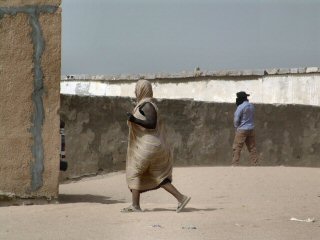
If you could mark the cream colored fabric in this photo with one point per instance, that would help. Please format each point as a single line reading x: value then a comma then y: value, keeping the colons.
x: 149, y: 160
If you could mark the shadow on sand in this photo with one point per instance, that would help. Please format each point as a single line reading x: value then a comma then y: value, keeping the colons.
x: 86, y: 198
x: 187, y: 209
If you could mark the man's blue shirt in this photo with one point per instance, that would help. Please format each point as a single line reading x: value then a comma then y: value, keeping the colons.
x: 244, y: 116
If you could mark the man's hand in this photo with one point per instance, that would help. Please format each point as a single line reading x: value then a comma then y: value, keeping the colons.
x: 130, y: 117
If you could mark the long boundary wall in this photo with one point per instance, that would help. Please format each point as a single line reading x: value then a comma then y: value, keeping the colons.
x: 30, y: 57
x: 200, y: 133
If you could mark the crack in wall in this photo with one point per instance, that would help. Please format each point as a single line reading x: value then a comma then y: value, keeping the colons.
x: 38, y: 116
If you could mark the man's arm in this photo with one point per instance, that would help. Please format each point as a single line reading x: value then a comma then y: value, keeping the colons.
x: 149, y: 112
x: 237, y: 117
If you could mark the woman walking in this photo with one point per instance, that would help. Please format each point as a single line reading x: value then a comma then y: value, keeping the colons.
x: 149, y: 159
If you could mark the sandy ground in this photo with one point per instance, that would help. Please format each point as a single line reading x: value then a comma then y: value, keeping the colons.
x: 227, y: 203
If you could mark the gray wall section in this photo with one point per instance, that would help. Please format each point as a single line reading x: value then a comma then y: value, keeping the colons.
x: 201, y: 133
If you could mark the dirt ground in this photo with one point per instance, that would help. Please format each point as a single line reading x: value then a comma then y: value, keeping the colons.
x: 227, y: 203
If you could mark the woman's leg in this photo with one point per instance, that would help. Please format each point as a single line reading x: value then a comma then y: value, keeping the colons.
x: 135, y: 206
x: 136, y: 198
x: 182, y: 199
x: 171, y: 189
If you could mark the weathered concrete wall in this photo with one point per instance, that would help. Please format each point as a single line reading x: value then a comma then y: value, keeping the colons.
x: 30, y: 54
x: 201, y: 133
x: 285, y: 86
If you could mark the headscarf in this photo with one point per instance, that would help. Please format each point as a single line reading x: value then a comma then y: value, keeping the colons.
x: 143, y: 91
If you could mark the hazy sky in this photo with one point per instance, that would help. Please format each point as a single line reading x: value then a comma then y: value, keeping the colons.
x: 152, y: 36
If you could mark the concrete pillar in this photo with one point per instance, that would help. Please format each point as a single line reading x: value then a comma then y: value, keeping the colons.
x: 30, y: 62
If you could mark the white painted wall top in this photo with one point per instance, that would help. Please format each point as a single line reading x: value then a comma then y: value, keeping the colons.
x: 275, y: 86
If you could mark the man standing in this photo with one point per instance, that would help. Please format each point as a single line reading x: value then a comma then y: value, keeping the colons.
x: 244, y: 124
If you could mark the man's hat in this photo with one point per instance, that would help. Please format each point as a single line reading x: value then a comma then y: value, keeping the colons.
x: 242, y: 94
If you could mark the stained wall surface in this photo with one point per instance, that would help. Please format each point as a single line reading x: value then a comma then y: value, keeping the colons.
x: 30, y: 59
x: 200, y: 133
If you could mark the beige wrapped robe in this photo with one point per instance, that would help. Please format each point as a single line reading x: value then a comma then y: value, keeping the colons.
x: 149, y: 159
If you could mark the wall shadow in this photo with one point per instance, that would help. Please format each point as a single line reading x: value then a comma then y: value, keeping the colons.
x: 184, y: 210
x: 86, y: 198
